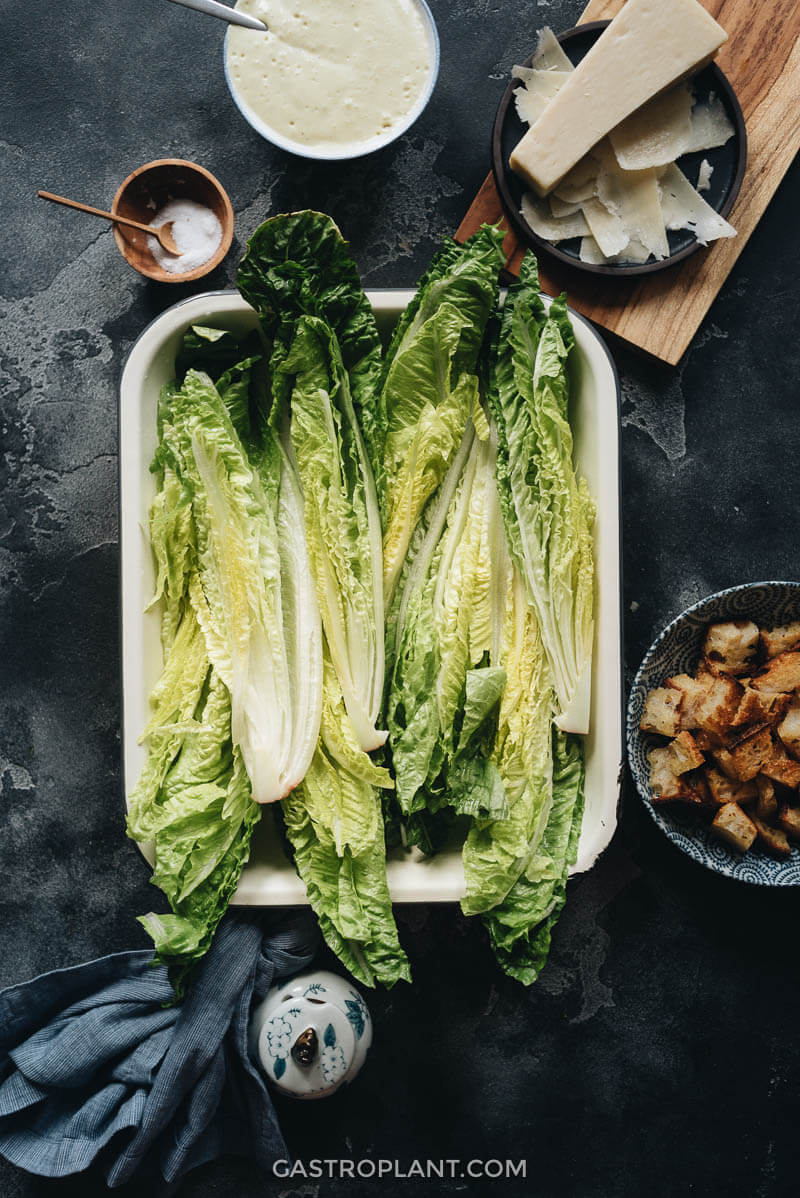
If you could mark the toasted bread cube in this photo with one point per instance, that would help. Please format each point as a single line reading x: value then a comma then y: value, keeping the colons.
x: 789, y: 820
x: 718, y: 708
x: 750, y: 752
x: 684, y: 753
x: 707, y: 742
x: 782, y: 768
x: 731, y: 647
x: 767, y: 805
x: 662, y: 711
x: 780, y: 640
x: 697, y: 780
x: 728, y: 790
x: 732, y: 825
x: 780, y: 675
x: 780, y: 705
x: 772, y: 839
x: 725, y: 762
x: 665, y: 785
x: 789, y: 729
x: 754, y: 707
x: 692, y: 692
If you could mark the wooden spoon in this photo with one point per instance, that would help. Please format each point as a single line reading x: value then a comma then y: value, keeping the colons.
x: 163, y: 233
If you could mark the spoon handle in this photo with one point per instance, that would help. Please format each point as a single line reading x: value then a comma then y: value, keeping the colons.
x: 214, y: 9
x: 121, y: 220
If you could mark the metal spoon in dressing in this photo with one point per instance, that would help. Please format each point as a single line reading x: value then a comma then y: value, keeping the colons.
x: 214, y: 9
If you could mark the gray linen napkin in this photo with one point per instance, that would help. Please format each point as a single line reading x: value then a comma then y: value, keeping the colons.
x: 92, y: 1060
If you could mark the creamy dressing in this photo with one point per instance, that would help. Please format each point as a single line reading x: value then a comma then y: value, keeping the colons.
x: 331, y: 75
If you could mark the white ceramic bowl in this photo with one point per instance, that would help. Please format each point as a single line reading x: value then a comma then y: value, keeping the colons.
x: 269, y: 879
x: 357, y: 150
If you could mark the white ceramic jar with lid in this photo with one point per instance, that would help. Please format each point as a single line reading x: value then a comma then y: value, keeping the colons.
x: 310, y: 1034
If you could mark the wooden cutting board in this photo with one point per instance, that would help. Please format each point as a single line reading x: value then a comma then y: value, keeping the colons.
x: 660, y: 313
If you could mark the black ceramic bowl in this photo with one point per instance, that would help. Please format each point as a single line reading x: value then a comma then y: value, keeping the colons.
x: 728, y: 162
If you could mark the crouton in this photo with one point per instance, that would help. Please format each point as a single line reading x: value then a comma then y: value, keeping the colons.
x: 780, y: 705
x: 780, y: 675
x: 780, y: 640
x: 789, y: 729
x: 730, y: 647
x: 707, y: 742
x: 685, y: 754
x: 697, y: 780
x: 662, y: 711
x: 719, y: 705
x: 754, y: 707
x: 692, y: 692
x: 725, y: 762
x: 665, y: 784
x: 733, y: 826
x: 767, y: 805
x: 782, y: 768
x: 772, y: 839
x: 789, y: 820
x: 728, y: 790
x: 749, y: 752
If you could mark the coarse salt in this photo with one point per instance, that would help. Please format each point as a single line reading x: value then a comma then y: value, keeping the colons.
x: 196, y: 232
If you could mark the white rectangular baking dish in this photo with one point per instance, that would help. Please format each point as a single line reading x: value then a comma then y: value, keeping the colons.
x: 269, y: 879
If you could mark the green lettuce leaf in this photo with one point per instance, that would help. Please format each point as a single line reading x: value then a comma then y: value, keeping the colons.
x: 520, y: 927
x: 296, y: 265
x: 334, y: 823
x: 227, y: 533
x: 498, y: 851
x: 430, y: 384
x: 447, y: 627
x: 199, y: 815
x: 547, y: 510
x: 269, y: 658
x: 342, y: 519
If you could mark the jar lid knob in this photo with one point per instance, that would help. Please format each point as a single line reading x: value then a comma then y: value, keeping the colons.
x: 306, y: 1047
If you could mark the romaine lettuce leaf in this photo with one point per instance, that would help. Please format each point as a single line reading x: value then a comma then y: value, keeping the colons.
x: 227, y: 534
x: 193, y: 803
x: 547, y: 510
x: 269, y: 658
x: 498, y: 851
x: 520, y: 927
x: 430, y: 384
x: 342, y: 519
x: 298, y: 264
x: 447, y: 627
x: 334, y: 823
x: 326, y: 409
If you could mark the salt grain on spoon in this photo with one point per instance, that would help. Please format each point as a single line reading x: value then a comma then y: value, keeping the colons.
x: 196, y: 233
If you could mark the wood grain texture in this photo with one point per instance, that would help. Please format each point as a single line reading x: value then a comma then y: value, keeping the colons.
x: 660, y: 313
x: 147, y: 190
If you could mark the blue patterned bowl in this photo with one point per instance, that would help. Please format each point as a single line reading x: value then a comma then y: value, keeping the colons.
x: 677, y: 651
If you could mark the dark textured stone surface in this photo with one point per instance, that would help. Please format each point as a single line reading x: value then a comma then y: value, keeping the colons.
x: 659, y: 1051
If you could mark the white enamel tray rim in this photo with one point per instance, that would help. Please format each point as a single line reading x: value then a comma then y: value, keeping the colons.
x: 269, y: 878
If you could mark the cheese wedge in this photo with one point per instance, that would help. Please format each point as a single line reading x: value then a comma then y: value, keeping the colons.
x: 649, y: 45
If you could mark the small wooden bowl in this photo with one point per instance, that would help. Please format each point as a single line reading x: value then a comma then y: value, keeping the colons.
x: 147, y: 190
